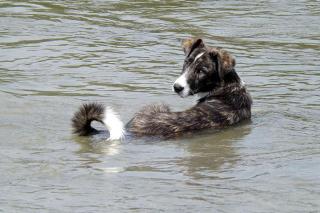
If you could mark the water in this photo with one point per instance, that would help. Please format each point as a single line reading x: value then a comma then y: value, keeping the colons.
x: 55, y: 55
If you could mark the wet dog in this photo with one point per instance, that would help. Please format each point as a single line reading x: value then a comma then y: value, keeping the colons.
x: 208, y: 72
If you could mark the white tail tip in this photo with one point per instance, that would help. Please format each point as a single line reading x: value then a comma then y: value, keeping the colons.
x: 114, y: 124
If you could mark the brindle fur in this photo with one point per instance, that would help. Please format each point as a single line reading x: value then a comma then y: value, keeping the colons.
x: 81, y: 121
x: 227, y: 107
x: 227, y: 101
x: 208, y: 71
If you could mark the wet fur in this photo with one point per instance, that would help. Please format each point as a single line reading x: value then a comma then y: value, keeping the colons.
x: 218, y: 110
x: 209, y: 71
x: 227, y: 101
x: 81, y: 121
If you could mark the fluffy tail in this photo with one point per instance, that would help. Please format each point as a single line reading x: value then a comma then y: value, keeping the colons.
x: 81, y: 121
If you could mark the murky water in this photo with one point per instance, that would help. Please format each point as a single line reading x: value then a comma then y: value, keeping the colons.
x: 54, y: 55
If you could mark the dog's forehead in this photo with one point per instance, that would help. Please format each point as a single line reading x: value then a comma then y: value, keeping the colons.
x: 199, y: 56
x: 196, y: 55
x: 196, y: 52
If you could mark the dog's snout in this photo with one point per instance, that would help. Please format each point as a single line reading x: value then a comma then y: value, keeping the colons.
x: 177, y: 88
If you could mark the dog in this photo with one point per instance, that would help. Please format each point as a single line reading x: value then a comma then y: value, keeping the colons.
x: 208, y: 72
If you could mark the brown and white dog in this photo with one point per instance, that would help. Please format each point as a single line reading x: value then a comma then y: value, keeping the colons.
x: 208, y: 72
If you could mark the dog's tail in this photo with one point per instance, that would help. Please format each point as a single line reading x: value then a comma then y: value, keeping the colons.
x: 81, y: 121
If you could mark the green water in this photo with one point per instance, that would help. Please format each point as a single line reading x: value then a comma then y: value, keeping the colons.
x: 55, y: 55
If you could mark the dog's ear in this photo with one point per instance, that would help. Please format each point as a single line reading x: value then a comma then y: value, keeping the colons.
x: 190, y: 44
x: 224, y: 60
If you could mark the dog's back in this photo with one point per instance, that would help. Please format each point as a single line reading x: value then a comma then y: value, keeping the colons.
x: 226, y: 107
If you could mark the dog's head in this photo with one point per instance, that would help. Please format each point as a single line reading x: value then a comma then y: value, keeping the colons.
x: 204, y: 68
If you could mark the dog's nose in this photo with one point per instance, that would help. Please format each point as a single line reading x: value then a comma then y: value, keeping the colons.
x: 177, y: 88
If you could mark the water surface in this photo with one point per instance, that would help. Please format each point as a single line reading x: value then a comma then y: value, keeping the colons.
x: 55, y: 55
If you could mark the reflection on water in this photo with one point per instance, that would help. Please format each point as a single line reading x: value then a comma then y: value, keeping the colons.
x: 57, y: 54
x: 207, y: 155
x: 102, y: 146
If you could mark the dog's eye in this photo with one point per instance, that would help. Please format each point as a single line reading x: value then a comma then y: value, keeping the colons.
x: 203, y: 70
x: 201, y: 74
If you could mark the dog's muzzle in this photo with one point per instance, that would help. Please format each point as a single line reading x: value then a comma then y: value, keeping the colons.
x: 181, y: 86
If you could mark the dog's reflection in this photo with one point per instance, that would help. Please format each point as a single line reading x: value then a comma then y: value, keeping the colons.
x: 206, y: 153
x: 98, y: 144
x: 210, y: 153
x: 96, y: 153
